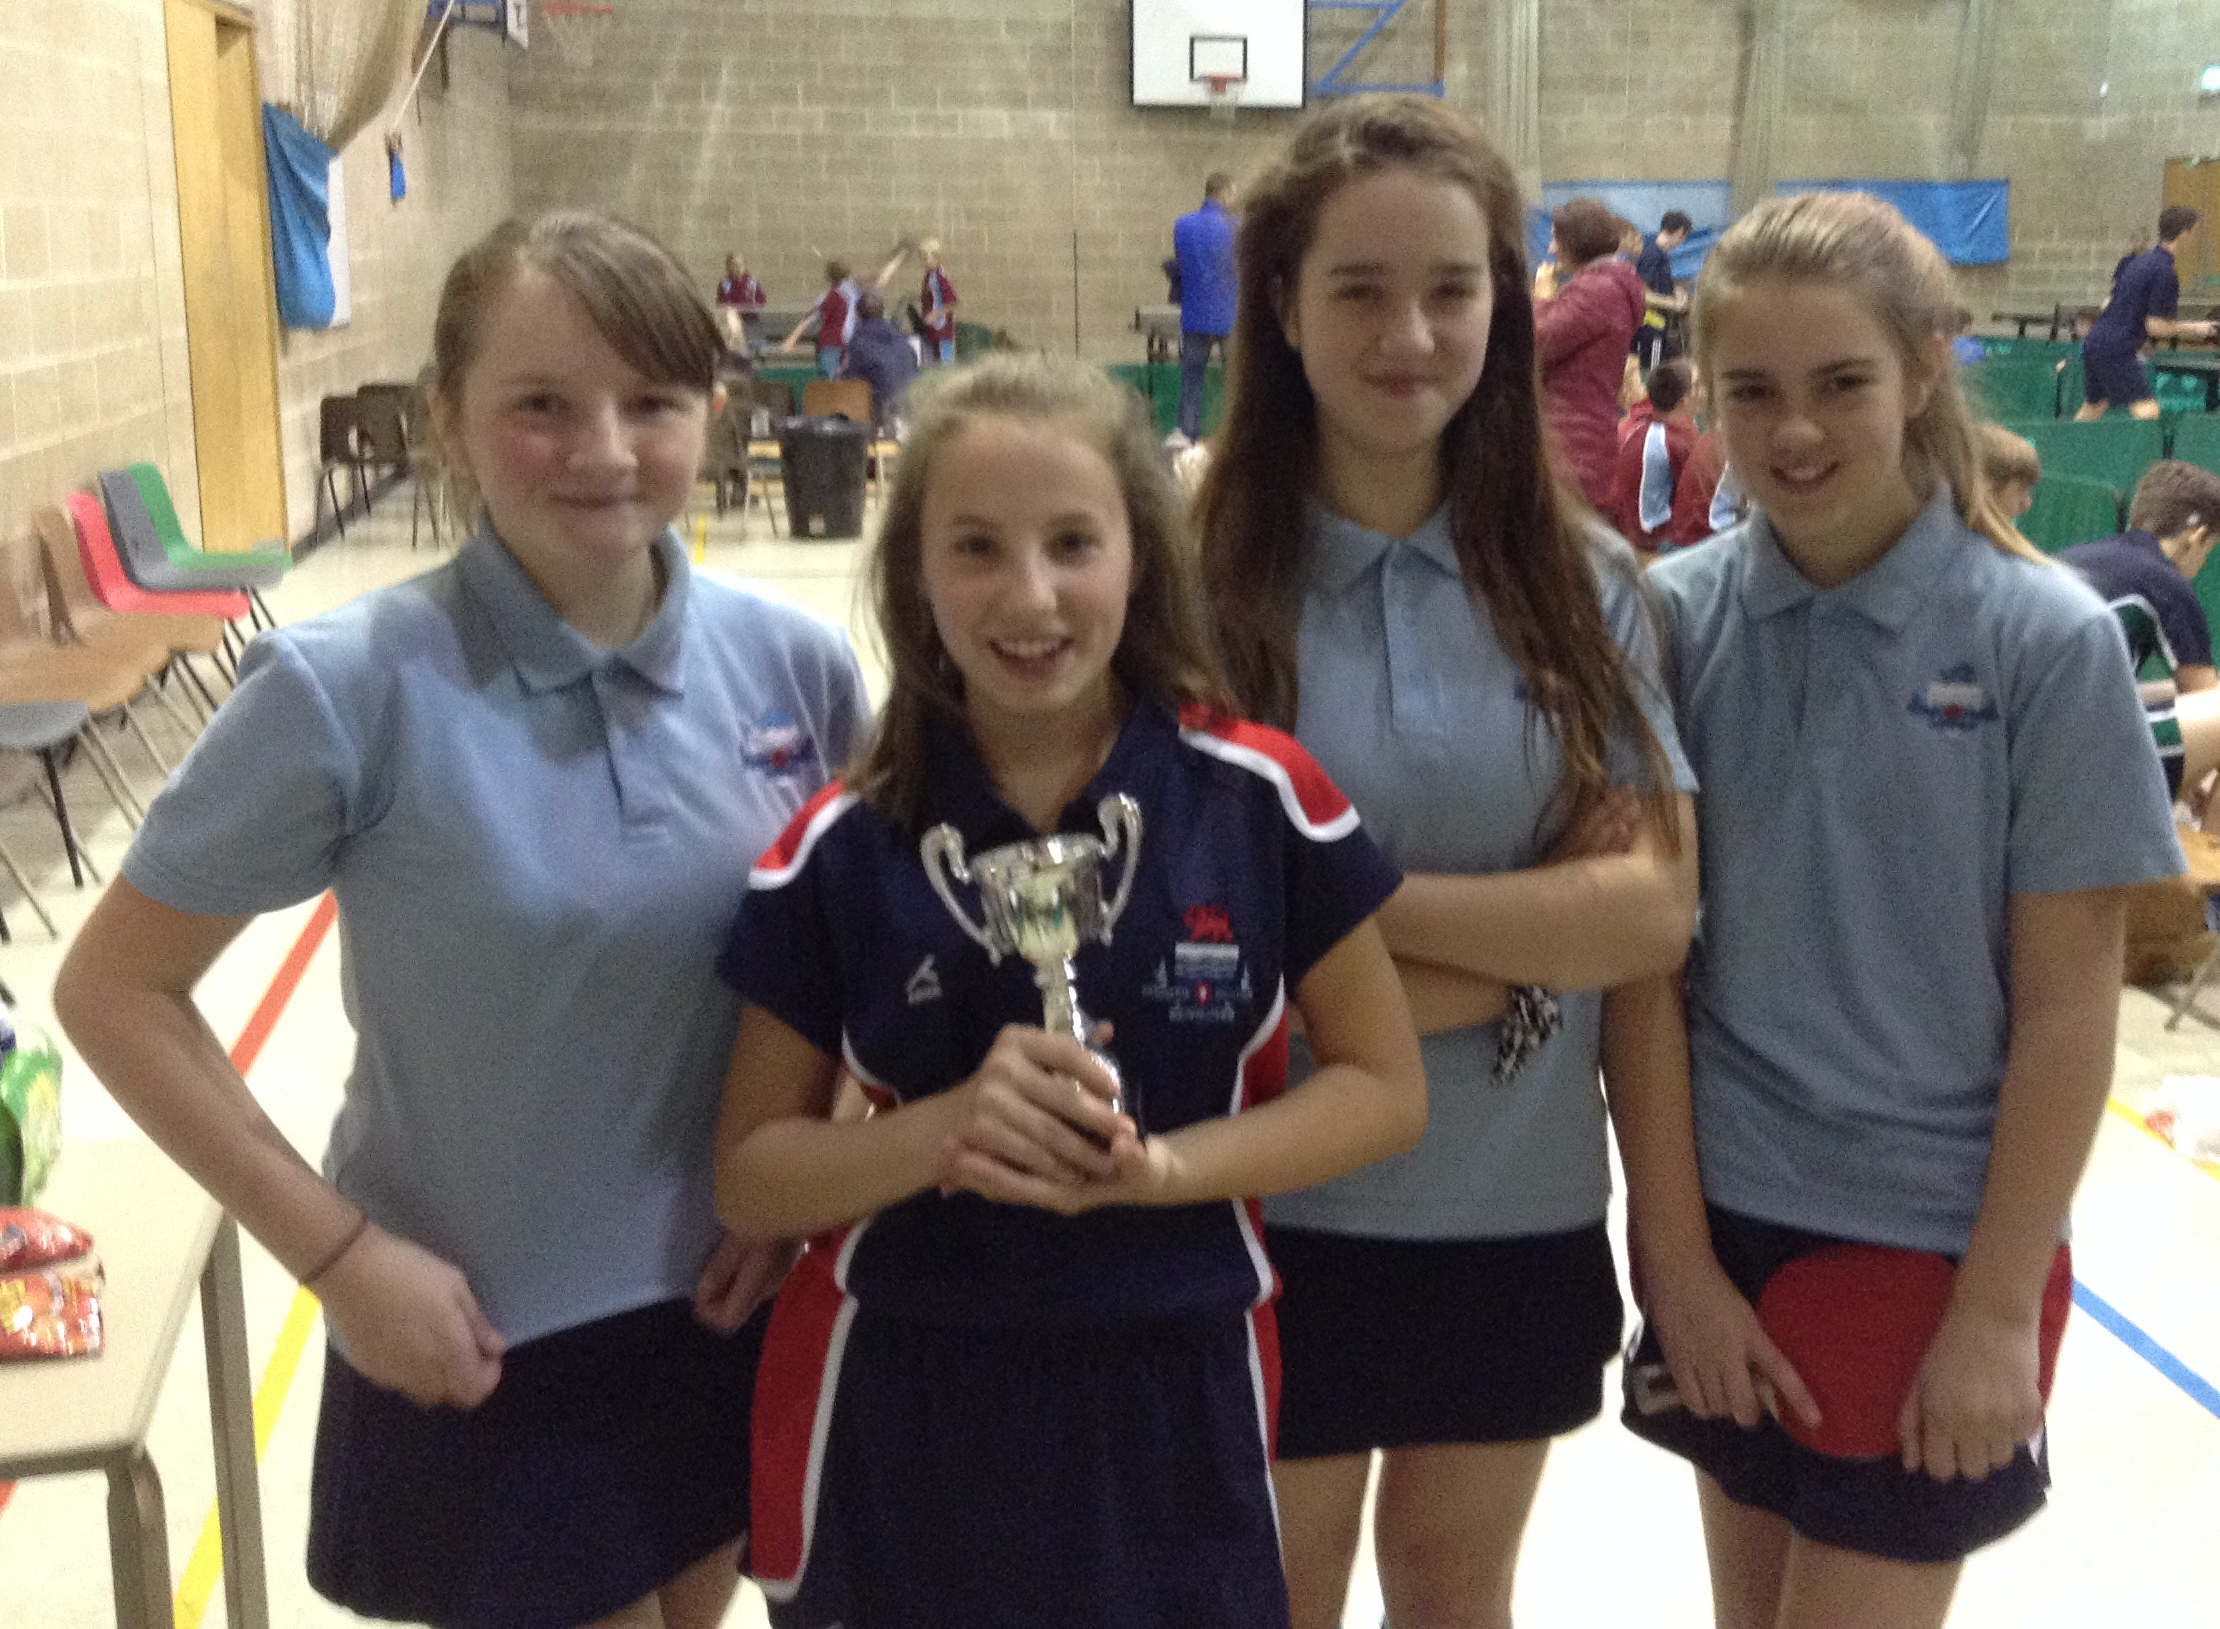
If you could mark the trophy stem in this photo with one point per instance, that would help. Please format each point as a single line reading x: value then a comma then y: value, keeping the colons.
x: 1059, y: 1007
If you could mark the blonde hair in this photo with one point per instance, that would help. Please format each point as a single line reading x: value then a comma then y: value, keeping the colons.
x: 2007, y: 459
x: 1856, y: 241
x: 1164, y: 655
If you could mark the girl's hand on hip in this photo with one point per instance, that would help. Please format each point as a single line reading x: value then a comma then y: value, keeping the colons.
x: 741, y: 1275
x: 408, y: 1321
x: 1724, y: 1365
x: 1976, y: 1398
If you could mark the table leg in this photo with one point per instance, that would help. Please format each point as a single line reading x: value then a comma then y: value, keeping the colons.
x: 138, y: 1544
x: 223, y: 1315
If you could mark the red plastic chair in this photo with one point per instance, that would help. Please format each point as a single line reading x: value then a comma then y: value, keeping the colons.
x: 96, y: 546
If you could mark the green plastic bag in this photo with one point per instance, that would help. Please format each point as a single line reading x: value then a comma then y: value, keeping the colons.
x: 30, y: 1117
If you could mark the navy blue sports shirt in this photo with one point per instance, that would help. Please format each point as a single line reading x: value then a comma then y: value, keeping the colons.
x: 1252, y: 866
x: 2146, y: 286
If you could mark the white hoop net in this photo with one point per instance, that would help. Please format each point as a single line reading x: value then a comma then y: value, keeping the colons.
x: 1225, y: 96
x: 575, y: 27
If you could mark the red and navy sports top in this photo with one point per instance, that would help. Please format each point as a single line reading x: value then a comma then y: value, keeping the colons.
x: 1252, y: 867
x: 939, y: 296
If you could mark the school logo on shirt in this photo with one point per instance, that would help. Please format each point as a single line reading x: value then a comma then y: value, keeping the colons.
x: 1204, y: 982
x: 1955, y: 702
x: 776, y: 745
x: 924, y: 984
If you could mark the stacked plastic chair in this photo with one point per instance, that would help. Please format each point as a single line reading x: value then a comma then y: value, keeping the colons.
x: 156, y: 555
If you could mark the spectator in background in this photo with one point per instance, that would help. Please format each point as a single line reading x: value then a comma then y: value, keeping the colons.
x: 740, y: 302
x: 1203, y: 245
x: 1583, y: 331
x: 1964, y: 348
x: 1654, y: 445
x: 2147, y: 575
x: 2010, y: 465
x: 1661, y: 298
x: 2146, y: 293
x: 882, y: 356
x: 937, y: 307
x: 834, y: 312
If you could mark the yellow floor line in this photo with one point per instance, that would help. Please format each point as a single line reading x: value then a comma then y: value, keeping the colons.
x: 2144, y: 1126
x: 202, y: 1573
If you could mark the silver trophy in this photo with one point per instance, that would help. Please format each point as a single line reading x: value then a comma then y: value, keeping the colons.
x: 1042, y: 900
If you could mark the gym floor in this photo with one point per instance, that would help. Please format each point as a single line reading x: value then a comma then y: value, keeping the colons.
x: 2134, y: 1424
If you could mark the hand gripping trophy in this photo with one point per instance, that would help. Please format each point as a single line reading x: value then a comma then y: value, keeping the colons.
x: 1042, y: 900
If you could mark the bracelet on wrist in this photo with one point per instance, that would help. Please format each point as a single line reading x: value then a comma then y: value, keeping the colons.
x: 362, y: 1226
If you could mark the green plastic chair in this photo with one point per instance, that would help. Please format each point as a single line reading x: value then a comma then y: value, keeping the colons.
x: 2069, y: 509
x: 2115, y: 450
x: 177, y: 546
x: 2009, y: 387
x: 2197, y: 440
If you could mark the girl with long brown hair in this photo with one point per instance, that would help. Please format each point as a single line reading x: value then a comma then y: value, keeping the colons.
x: 1397, y: 575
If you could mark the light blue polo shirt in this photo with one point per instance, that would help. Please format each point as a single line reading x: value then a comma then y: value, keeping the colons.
x: 538, y: 848
x: 1414, y: 708
x: 1884, y: 764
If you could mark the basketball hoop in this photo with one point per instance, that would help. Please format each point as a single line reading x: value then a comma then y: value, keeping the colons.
x: 1225, y: 96
x: 576, y: 27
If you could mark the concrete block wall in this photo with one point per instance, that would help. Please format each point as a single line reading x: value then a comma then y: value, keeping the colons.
x: 92, y: 301
x: 455, y: 141
x: 93, y: 362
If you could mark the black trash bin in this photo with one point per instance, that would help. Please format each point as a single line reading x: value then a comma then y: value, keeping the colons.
x: 823, y: 463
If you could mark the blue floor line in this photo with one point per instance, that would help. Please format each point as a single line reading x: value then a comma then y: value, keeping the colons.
x: 2201, y: 1391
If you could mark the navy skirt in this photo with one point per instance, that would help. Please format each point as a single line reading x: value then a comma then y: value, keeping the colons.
x: 611, y: 1457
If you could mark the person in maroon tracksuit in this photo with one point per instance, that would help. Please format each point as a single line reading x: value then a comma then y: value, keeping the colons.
x: 1584, y: 322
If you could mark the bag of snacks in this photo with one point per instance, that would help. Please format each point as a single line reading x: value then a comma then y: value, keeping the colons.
x: 32, y: 1238
x: 53, y: 1312
x: 30, y: 1112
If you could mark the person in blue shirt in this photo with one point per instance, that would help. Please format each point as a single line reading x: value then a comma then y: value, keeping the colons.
x: 532, y: 778
x: 1926, y: 788
x: 2146, y: 293
x: 2147, y: 575
x: 1202, y: 244
x: 1397, y: 571
x: 1025, y: 1373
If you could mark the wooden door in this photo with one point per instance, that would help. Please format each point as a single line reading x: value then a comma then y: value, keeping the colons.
x: 230, y: 293
x: 2196, y: 182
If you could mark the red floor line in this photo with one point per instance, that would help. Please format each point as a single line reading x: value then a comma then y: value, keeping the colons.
x: 271, y: 1007
x: 264, y: 1018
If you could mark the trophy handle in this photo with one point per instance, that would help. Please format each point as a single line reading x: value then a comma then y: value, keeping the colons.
x: 944, y: 846
x: 1120, y: 815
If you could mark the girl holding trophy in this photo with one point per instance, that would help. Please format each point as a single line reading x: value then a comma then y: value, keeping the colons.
x: 1027, y: 1372
x: 1397, y: 577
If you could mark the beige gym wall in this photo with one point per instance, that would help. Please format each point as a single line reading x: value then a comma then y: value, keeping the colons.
x: 93, y: 370
x: 1003, y: 125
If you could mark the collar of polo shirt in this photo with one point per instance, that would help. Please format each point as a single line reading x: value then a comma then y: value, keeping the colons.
x: 548, y: 652
x: 1342, y: 551
x: 1886, y: 593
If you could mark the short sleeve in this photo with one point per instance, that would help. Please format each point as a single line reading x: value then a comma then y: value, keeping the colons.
x: 780, y: 952
x: 2089, y: 807
x: 1334, y: 875
x: 2187, y: 632
x: 2165, y: 292
x: 1634, y: 616
x: 257, y: 815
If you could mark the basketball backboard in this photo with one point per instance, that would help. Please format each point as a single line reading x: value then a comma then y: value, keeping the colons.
x: 1179, y: 46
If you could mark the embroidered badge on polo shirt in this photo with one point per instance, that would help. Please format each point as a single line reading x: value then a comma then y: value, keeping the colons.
x: 1205, y: 981
x: 776, y: 745
x: 1955, y: 701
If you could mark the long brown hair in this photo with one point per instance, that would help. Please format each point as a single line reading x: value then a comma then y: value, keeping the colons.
x: 1527, y: 561
x: 1164, y: 654
x: 1857, y: 241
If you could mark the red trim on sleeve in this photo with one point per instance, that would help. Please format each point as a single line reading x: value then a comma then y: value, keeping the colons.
x: 1315, y: 793
x: 793, y: 843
